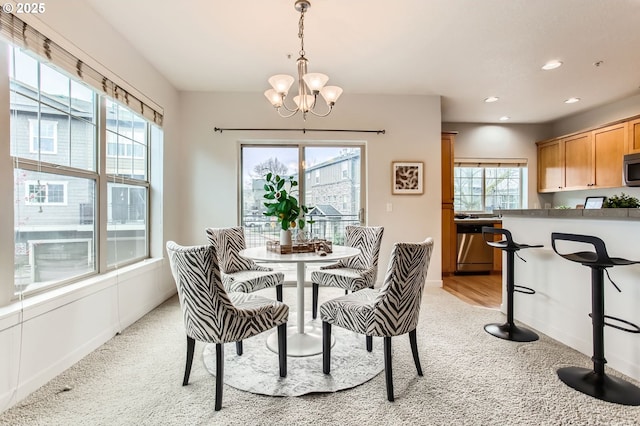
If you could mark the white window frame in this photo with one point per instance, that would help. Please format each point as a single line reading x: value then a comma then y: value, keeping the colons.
x: 36, y: 128
x: 45, y: 183
x: 495, y: 163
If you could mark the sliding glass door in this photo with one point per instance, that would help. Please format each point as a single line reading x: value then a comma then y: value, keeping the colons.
x: 330, y: 183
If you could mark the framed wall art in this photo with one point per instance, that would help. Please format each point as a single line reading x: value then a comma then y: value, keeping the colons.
x: 407, y: 177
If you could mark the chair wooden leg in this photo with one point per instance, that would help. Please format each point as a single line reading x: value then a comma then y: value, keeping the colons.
x: 326, y: 347
x: 239, y: 347
x: 282, y: 349
x: 191, y: 343
x: 414, y: 350
x: 219, y: 374
x: 279, y: 293
x: 314, y: 300
x: 369, y: 340
x: 388, y: 373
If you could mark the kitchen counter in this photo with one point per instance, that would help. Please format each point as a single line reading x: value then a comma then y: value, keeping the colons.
x: 623, y: 214
x: 560, y: 308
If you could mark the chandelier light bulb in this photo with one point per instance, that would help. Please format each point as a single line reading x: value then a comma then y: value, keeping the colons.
x: 274, y: 97
x: 281, y: 83
x: 315, y: 81
x: 331, y: 94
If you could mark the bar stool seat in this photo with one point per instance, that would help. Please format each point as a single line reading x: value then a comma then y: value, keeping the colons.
x: 595, y: 382
x: 509, y: 330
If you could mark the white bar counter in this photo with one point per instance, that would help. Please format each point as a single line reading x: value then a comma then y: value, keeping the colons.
x: 562, y: 303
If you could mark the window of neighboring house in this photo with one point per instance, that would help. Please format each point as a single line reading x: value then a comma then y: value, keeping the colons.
x: 43, y: 136
x: 345, y: 170
x: 317, y: 176
x: 42, y: 192
x: 487, y: 187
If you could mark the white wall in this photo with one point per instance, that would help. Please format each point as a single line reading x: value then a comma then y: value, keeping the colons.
x: 476, y: 140
x: 624, y: 108
x: 412, y: 125
x: 43, y: 335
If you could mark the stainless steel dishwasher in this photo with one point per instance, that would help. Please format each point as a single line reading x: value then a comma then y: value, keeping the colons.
x: 474, y: 255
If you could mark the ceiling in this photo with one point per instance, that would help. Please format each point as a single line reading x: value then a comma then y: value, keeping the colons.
x: 462, y: 50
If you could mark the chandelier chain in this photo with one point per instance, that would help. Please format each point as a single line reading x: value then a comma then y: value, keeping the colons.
x: 301, y: 32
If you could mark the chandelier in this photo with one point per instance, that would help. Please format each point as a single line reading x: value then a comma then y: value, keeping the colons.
x: 309, y: 84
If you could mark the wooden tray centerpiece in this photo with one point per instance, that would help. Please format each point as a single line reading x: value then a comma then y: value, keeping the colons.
x: 311, y: 246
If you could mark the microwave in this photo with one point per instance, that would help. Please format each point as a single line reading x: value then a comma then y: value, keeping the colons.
x: 631, y: 169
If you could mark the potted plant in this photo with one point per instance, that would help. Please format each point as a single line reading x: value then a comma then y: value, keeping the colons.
x: 282, y: 204
x: 621, y: 201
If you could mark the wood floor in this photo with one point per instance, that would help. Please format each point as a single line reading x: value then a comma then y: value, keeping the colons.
x: 479, y: 290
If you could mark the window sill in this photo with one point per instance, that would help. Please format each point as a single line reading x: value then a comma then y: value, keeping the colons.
x: 22, y: 310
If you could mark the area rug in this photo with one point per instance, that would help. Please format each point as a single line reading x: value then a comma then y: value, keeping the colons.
x: 256, y: 370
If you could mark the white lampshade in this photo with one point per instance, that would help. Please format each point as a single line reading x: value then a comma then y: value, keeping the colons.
x: 315, y: 81
x: 274, y: 97
x: 281, y: 83
x: 331, y: 94
x: 307, y: 104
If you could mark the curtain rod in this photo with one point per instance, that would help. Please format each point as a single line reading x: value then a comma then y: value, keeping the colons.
x: 303, y: 130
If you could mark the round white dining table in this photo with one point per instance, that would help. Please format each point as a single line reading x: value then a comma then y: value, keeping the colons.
x: 301, y: 340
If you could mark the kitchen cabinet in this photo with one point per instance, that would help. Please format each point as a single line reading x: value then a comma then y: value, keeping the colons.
x: 549, y: 166
x: 448, y: 225
x: 608, y: 151
x: 633, y: 141
x: 586, y: 160
x: 577, y: 161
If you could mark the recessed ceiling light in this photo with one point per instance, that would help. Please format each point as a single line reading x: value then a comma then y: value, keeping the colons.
x: 491, y: 99
x: 572, y: 100
x: 504, y: 118
x: 551, y: 65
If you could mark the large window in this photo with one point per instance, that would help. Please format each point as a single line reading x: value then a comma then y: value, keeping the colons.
x: 55, y: 146
x: 330, y: 184
x: 488, y: 187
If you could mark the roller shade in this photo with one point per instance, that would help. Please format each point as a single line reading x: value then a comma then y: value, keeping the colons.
x: 23, y: 35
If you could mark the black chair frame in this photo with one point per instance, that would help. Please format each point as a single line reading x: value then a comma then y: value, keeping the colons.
x: 595, y: 382
x: 509, y: 330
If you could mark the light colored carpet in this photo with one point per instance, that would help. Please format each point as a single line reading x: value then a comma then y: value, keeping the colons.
x: 470, y: 378
x: 256, y: 370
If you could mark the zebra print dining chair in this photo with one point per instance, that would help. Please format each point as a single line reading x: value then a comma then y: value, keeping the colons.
x: 238, y: 273
x: 212, y: 315
x: 354, y: 273
x: 391, y: 311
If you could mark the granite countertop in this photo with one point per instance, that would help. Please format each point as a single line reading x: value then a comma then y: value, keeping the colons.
x: 611, y: 213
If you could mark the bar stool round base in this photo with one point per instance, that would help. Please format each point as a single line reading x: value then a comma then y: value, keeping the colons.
x: 610, y: 389
x: 511, y: 332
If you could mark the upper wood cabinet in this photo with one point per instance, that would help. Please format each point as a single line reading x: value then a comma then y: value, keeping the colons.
x: 586, y: 160
x: 608, y: 150
x: 550, y: 169
x: 633, y: 141
x: 578, y: 161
